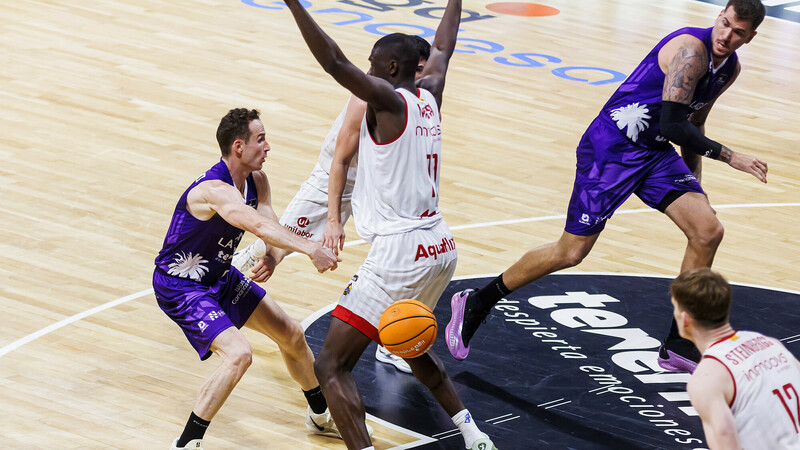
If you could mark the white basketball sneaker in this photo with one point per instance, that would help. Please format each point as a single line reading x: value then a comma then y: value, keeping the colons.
x: 384, y: 356
x: 244, y: 259
x: 483, y: 443
x: 194, y: 444
x: 323, y: 424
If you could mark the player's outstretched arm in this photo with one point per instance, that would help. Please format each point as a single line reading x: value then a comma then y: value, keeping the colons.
x: 444, y: 43
x: 216, y: 197
x: 710, y: 389
x: 346, y: 148
x: 685, y: 60
x: 375, y: 91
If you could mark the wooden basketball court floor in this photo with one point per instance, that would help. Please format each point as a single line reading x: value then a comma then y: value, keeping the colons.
x: 109, y: 111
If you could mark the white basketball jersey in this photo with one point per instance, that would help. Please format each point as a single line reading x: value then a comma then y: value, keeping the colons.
x: 765, y: 405
x: 323, y: 167
x: 398, y: 181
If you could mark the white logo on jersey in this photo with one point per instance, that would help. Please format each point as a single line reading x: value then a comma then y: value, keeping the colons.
x: 633, y: 117
x: 188, y: 266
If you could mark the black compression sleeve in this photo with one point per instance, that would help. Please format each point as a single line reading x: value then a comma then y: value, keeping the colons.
x: 677, y: 128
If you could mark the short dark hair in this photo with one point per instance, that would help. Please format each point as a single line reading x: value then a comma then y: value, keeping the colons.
x: 235, y: 125
x: 401, y: 48
x: 423, y: 47
x: 705, y: 295
x: 752, y: 10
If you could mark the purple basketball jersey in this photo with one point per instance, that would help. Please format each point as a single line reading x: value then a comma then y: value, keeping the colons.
x: 635, y: 107
x: 201, y: 250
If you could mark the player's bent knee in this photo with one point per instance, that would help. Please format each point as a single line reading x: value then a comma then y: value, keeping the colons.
x: 572, y: 257
x: 241, y: 359
x: 711, y: 236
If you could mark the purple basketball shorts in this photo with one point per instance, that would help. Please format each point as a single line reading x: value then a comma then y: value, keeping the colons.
x: 610, y: 169
x: 203, y: 312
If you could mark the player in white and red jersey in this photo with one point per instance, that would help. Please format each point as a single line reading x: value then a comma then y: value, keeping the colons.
x: 746, y: 386
x: 307, y: 213
x: 395, y: 204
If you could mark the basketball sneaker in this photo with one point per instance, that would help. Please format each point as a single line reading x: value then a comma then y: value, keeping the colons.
x: 194, y: 444
x: 673, y: 362
x: 452, y: 332
x: 323, y: 424
x: 483, y: 443
x: 384, y: 356
x: 244, y: 259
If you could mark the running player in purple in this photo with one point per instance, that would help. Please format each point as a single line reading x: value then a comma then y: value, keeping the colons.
x: 198, y: 289
x: 626, y: 150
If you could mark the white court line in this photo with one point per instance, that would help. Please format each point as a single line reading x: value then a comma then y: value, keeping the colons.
x: 506, y: 420
x: 64, y: 322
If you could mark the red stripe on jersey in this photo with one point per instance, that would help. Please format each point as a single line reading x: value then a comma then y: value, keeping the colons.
x: 729, y: 373
x: 401, y: 133
x: 723, y: 339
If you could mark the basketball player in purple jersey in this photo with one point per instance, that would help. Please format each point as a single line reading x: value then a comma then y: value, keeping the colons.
x: 745, y: 389
x: 626, y: 151
x: 198, y: 289
x: 395, y: 208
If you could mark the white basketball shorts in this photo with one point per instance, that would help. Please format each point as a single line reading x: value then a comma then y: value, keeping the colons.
x: 415, y: 265
x: 307, y: 213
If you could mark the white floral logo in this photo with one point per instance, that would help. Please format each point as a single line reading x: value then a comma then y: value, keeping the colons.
x: 634, y: 117
x: 188, y: 266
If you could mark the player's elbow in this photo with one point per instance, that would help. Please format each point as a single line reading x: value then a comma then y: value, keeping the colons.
x: 675, y: 131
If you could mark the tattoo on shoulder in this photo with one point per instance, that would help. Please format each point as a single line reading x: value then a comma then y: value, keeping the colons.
x: 685, y: 70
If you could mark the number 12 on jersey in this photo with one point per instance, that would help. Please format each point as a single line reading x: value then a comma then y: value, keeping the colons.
x: 791, y: 394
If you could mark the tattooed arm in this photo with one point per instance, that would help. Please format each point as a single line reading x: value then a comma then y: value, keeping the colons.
x: 684, y: 61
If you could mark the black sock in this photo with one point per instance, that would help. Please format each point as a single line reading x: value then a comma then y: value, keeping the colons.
x: 684, y: 347
x: 673, y: 331
x: 480, y: 304
x: 489, y: 295
x: 316, y: 400
x: 195, y: 429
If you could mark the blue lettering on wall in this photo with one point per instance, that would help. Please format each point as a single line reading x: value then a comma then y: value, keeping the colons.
x: 465, y: 44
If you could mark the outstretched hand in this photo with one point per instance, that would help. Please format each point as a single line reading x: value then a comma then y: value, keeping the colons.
x: 333, y: 237
x: 749, y: 164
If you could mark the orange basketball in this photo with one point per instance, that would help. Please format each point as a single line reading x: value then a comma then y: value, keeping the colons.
x: 407, y: 328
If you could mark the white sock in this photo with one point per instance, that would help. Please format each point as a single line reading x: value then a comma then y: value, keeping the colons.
x: 463, y: 420
x: 368, y: 448
x: 259, y: 249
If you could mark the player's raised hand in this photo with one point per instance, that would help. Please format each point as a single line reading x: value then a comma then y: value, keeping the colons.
x: 749, y: 164
x: 333, y: 236
x: 324, y: 258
